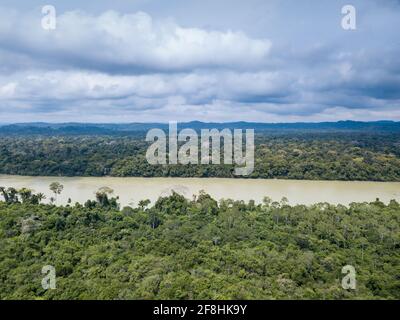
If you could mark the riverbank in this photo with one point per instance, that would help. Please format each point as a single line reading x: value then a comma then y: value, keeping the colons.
x: 132, y: 189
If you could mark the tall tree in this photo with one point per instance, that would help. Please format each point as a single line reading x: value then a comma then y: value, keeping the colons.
x: 57, y: 188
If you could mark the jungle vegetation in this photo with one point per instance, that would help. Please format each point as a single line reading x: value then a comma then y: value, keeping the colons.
x: 197, y: 249
x: 364, y: 156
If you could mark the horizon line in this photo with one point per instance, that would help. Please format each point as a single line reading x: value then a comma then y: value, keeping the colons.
x: 192, y: 121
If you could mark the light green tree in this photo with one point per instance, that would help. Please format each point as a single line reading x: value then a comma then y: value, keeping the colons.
x: 57, y: 188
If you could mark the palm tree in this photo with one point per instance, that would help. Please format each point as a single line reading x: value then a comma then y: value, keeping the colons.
x: 12, y: 195
x: 25, y: 194
x: 57, y: 188
x: 5, y: 194
x: 40, y: 196
x: 143, y: 204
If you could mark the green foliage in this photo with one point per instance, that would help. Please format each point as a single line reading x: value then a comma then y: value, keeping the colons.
x: 56, y: 187
x: 199, y: 249
x: 11, y: 195
x: 365, y: 156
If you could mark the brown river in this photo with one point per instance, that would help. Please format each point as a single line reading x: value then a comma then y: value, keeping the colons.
x: 131, y: 190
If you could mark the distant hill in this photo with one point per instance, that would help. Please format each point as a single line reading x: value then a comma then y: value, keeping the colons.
x: 71, y: 128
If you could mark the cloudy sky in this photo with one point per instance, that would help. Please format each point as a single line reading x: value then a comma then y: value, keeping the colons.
x: 208, y: 60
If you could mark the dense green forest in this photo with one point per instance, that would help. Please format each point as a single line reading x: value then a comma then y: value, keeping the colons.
x: 198, y: 249
x: 332, y: 155
x: 177, y: 248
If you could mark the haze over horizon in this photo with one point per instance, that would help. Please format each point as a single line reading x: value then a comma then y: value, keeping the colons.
x: 191, y: 121
x: 210, y: 61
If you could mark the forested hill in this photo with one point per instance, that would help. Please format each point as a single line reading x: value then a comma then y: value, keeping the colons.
x: 132, y: 128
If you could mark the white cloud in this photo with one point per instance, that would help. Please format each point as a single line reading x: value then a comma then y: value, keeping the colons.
x: 110, y: 66
x: 131, y: 41
x: 70, y: 85
x: 8, y: 90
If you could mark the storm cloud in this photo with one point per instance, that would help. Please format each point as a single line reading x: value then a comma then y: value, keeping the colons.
x: 196, y: 60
